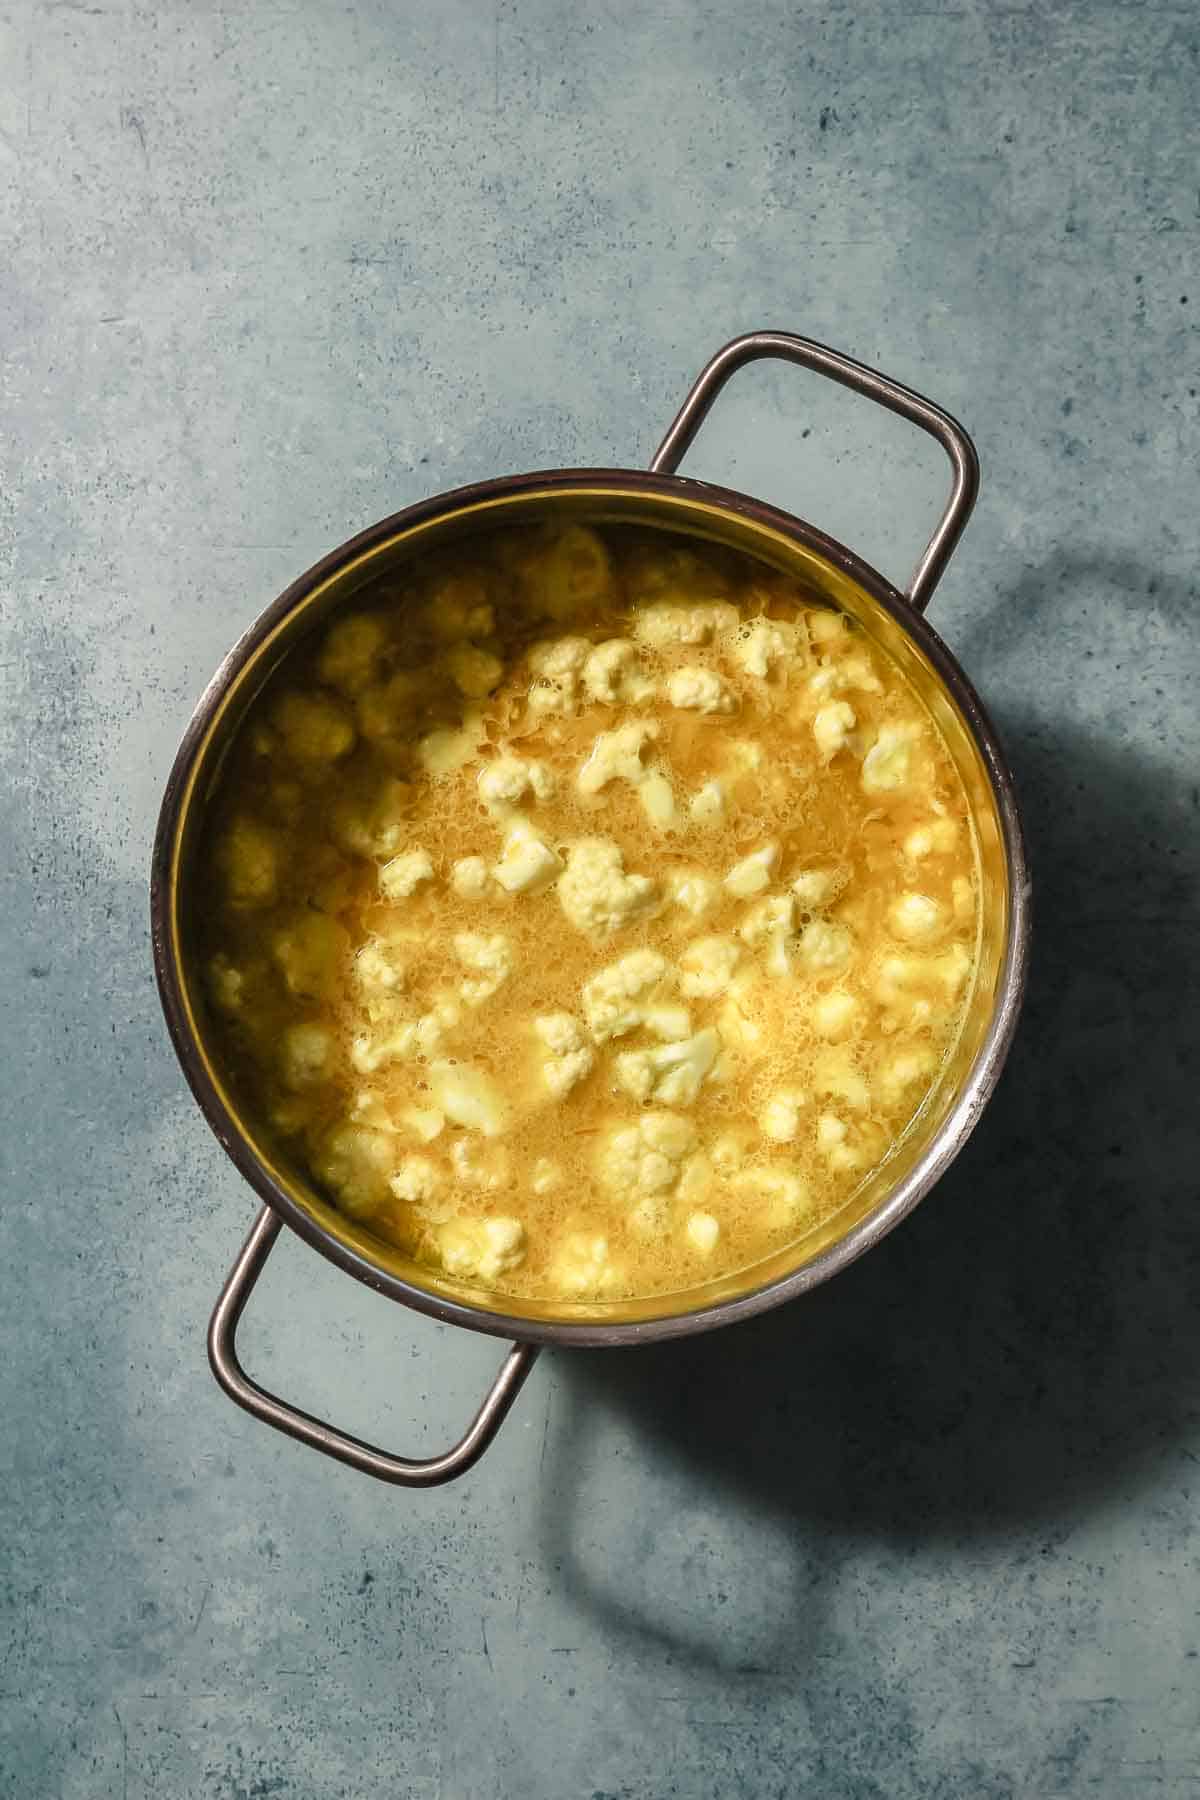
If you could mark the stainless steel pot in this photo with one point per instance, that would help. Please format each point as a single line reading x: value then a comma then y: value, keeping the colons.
x: 829, y: 572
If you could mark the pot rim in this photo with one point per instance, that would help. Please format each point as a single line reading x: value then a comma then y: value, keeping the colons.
x: 973, y: 1094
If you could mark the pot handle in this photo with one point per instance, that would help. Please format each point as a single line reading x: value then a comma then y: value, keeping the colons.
x: 948, y: 432
x: 401, y: 1471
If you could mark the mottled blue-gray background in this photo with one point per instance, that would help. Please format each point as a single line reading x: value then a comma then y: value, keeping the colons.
x: 268, y: 272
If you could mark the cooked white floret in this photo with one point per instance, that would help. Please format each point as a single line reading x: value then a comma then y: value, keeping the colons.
x: 311, y: 954
x: 707, y: 965
x: 426, y: 1122
x: 596, y: 894
x: 835, y: 1014
x: 416, y: 1180
x: 835, y: 1073
x: 376, y: 826
x: 667, y: 1021
x: 307, y: 1055
x: 765, y: 643
x: 226, y: 984
x: 615, y: 999
x: 570, y: 1058
x: 780, y: 1117
x: 613, y: 674
x: 694, y: 689
x: 903, y: 1071
x: 527, y: 865
x: 707, y: 804
x: 617, y: 756
x: 938, y: 837
x: 702, y: 1232
x: 672, y: 1074
x: 386, y: 710
x: 468, y: 877
x: 469, y: 1097
x: 400, y: 878
x: 817, y: 887
x: 782, y: 1195
x: 771, y: 921
x: 646, y: 1158
x: 545, y: 1175
x: 350, y: 655
x: 916, y: 918
x: 753, y: 873
x: 486, y: 1166
x: 887, y: 766
x: 356, y: 1162
x: 583, y: 1265
x: 487, y: 1248
x: 446, y: 750
x: 557, y: 667
x: 490, y: 960
x: 459, y: 608
x: 853, y: 674
x: 508, y: 780
x: 825, y: 946
x: 474, y: 672
x: 833, y: 1141
x: 694, y: 892
x: 825, y: 626
x: 832, y: 727
x: 379, y: 970
x: 313, y: 728
x: 657, y: 798
x: 249, y: 857
x: 664, y: 623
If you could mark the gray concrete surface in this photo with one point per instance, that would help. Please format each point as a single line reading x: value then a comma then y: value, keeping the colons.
x: 269, y: 272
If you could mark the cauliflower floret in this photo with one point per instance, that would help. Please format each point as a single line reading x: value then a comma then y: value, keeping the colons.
x: 545, y: 1176
x: 487, y: 1248
x: 617, y: 756
x: 753, y: 873
x: 613, y: 674
x: 311, y: 954
x: 474, y: 672
x: 834, y: 1074
x: 468, y: 1097
x: 904, y: 1071
x: 489, y: 958
x: 938, y: 837
x: 887, y: 766
x: 425, y: 1121
x: 400, y: 878
x: 468, y: 877
x: 356, y: 1163
x: 386, y: 710
x: 853, y: 675
x: 458, y: 608
x: 707, y: 804
x: 667, y: 1022
x: 393, y: 1042
x: 249, y: 860
x: 573, y: 573
x: 833, y: 1135
x: 596, y: 894
x: 832, y: 727
x: 657, y: 799
x: 696, y: 893
x: 783, y: 1195
x: 706, y: 966
x: 665, y: 623
x: 916, y: 919
x: 526, y: 865
x: 908, y: 984
x: 772, y: 921
x: 378, y: 972
x: 570, y: 1057
x: 556, y: 667
x: 377, y: 826
x: 444, y: 751
x: 825, y: 946
x: 485, y: 1166
x: 825, y: 626
x: 350, y: 654
x: 646, y: 1159
x: 307, y: 1055
x: 835, y: 1014
x: 313, y: 727
x: 583, y: 1266
x: 226, y: 985
x: 694, y: 689
x: 817, y: 887
x: 417, y: 1180
x: 506, y: 781
x: 614, y: 1000
x: 702, y: 1232
x: 764, y: 643
x: 780, y: 1117
x: 741, y: 1018
x: 672, y: 1074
